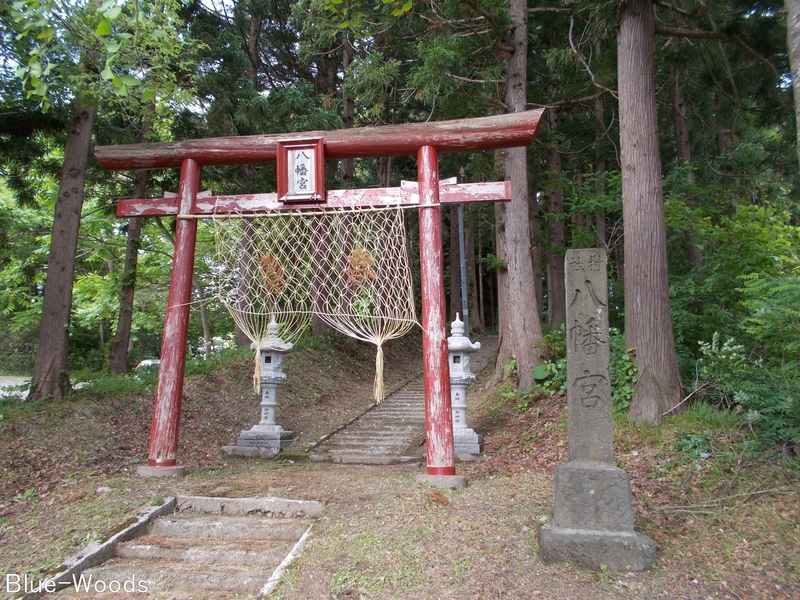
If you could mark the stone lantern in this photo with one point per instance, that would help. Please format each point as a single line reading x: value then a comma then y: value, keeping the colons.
x: 266, y: 438
x: 461, y: 377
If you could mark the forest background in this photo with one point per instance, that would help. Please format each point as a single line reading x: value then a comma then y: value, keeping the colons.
x: 699, y: 213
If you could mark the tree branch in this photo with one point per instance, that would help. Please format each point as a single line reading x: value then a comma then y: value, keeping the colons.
x: 703, y: 34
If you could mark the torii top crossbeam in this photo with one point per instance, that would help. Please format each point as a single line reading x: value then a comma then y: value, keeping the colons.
x: 425, y: 140
x: 464, y: 135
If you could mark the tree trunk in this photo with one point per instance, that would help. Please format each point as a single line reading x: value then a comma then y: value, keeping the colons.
x: 724, y: 134
x: 536, y: 252
x: 201, y: 297
x: 50, y: 377
x: 475, y: 312
x: 348, y: 108
x: 648, y: 321
x: 556, y: 293
x: 384, y: 171
x: 684, y: 149
x: 521, y: 333
x: 118, y: 354
x: 793, y: 43
x: 600, y: 168
x: 455, y: 266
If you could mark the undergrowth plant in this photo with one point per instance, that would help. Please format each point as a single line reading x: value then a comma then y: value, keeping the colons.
x: 551, y: 376
x: 766, y: 394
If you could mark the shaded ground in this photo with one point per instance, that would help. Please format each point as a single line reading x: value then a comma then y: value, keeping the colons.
x: 723, y: 529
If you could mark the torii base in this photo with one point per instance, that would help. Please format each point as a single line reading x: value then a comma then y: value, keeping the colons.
x: 171, y: 471
x: 443, y: 481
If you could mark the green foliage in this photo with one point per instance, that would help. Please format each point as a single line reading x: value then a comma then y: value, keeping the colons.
x: 551, y: 376
x: 696, y: 445
x: 493, y: 263
x: 623, y: 371
x: 754, y: 243
x: 351, y: 14
x: 768, y: 396
x: 124, y: 47
x: 773, y: 323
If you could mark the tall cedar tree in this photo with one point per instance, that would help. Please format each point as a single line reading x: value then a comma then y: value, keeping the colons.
x: 50, y: 377
x: 521, y: 333
x: 793, y: 39
x: 648, y: 320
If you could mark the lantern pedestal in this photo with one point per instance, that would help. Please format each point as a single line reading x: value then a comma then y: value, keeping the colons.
x: 266, y: 438
x: 459, y: 348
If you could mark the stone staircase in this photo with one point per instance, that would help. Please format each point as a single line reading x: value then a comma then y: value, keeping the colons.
x: 209, y: 548
x: 392, y: 432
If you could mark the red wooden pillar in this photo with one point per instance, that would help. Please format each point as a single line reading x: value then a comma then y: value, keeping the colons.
x: 167, y: 409
x: 441, y: 469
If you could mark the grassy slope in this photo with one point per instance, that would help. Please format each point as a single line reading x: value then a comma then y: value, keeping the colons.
x: 726, y: 526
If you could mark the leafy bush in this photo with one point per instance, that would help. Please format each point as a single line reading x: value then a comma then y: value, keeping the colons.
x: 768, y: 395
x: 551, y: 376
x: 624, y: 373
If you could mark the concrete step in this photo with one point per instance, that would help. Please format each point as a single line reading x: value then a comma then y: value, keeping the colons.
x: 245, y: 553
x: 207, y: 527
x: 182, y: 578
x: 395, y: 417
x: 366, y: 450
x: 378, y: 440
x: 365, y: 459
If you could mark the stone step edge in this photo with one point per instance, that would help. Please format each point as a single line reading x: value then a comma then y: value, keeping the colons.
x: 268, y: 506
x: 363, y: 459
x: 277, y: 574
x: 96, y: 553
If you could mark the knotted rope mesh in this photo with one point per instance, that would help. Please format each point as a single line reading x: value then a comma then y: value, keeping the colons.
x: 350, y: 267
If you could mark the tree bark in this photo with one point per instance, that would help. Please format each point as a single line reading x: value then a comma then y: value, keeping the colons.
x: 118, y: 353
x: 455, y: 266
x: 50, y: 377
x: 648, y: 320
x: 476, y: 312
x: 793, y: 44
x: 684, y: 149
x: 536, y: 252
x: 521, y: 331
x: 600, y: 161
x: 201, y: 297
x: 556, y: 293
x: 348, y: 107
x: 600, y: 173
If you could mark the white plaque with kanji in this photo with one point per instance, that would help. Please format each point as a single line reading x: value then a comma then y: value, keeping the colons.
x: 301, y: 171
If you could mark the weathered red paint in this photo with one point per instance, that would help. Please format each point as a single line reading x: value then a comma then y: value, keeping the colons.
x: 465, y: 135
x: 406, y: 195
x: 167, y: 407
x: 438, y: 411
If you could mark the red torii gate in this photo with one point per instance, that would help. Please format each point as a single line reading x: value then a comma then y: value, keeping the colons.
x: 425, y: 140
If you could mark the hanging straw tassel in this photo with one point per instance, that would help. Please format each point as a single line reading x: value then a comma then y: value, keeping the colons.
x: 257, y: 371
x: 379, y: 387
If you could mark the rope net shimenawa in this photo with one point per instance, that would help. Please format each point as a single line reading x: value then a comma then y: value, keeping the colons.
x: 350, y: 267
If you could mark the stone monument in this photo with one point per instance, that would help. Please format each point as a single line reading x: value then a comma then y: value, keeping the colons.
x: 266, y: 438
x: 459, y: 348
x: 593, y: 516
